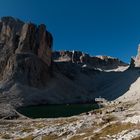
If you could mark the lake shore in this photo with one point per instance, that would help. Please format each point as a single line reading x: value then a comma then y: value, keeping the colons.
x: 113, y: 121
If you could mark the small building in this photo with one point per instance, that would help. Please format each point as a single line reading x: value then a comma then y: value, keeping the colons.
x: 101, y: 101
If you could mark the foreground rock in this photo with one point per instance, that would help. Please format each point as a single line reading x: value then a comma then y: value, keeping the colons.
x: 112, y: 122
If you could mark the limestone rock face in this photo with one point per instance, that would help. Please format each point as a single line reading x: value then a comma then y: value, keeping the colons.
x: 27, y: 69
x: 45, y: 43
x: 103, y: 62
x: 25, y: 52
x: 62, y: 56
x: 137, y: 59
x: 26, y: 63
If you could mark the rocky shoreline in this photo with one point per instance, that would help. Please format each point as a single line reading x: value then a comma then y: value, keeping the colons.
x: 117, y: 121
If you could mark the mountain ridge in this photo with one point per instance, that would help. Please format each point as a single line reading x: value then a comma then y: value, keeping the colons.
x: 31, y: 73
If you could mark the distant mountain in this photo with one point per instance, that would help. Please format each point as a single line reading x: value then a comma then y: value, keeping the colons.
x: 100, y: 62
x: 31, y: 73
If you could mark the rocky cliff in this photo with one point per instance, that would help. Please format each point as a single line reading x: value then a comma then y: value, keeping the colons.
x: 25, y: 52
x: 102, y: 62
x: 25, y: 60
x: 31, y: 74
x: 135, y: 61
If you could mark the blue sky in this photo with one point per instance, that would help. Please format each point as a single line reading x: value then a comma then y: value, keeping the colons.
x: 98, y: 27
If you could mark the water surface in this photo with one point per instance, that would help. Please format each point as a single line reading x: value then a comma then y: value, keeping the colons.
x: 55, y: 111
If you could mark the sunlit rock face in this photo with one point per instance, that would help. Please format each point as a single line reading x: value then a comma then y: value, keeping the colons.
x: 25, y: 52
x: 137, y: 59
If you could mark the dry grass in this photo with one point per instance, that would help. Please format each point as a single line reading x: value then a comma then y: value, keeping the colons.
x: 78, y: 137
x: 26, y: 129
x: 137, y: 138
x: 65, y: 121
x: 5, y: 136
x: 87, y: 132
x: 50, y: 137
x: 109, y: 118
x: 112, y: 129
x: 27, y: 138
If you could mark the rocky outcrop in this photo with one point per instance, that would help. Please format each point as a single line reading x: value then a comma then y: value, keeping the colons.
x: 29, y: 75
x: 27, y: 69
x: 132, y: 63
x: 25, y: 52
x: 103, y: 62
x: 136, y: 60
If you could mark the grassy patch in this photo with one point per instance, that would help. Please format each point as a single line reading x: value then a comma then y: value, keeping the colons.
x: 26, y: 129
x: 137, y: 138
x: 112, y: 129
x: 86, y: 133
x: 6, y: 136
x: 27, y: 138
x: 109, y: 118
x: 77, y: 137
x: 50, y: 137
x: 65, y: 121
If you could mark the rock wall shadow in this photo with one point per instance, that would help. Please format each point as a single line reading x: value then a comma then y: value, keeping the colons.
x: 115, y: 84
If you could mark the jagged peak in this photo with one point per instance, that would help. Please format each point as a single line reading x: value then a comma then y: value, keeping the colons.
x: 10, y: 19
x: 105, y: 57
